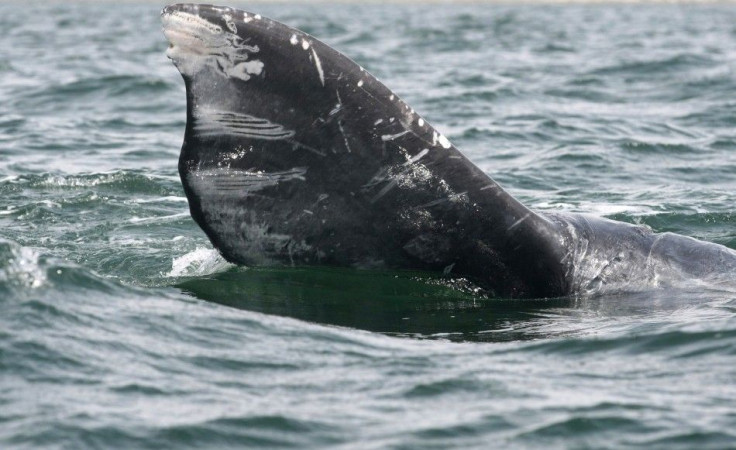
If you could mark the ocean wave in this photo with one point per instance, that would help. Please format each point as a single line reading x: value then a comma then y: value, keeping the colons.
x: 129, y: 182
x: 657, y: 67
x: 30, y: 273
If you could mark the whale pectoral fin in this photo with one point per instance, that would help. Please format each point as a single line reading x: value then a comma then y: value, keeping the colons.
x: 289, y: 141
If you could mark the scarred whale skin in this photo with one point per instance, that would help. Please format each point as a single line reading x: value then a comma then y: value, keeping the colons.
x: 294, y: 154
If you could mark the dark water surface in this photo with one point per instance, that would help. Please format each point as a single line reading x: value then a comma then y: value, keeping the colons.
x: 120, y: 327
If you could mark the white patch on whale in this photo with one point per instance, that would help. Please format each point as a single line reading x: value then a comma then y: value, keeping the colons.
x: 230, y: 23
x: 197, y: 43
x: 438, y: 138
x: 444, y: 142
x: 244, y: 70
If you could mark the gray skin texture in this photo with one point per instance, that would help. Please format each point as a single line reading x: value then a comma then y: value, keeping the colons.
x: 294, y: 154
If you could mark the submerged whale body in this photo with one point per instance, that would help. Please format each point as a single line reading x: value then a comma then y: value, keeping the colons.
x: 294, y: 154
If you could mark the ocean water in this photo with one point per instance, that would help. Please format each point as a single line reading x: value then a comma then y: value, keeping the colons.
x: 121, y: 327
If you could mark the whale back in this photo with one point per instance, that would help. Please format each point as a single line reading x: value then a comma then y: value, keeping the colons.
x: 294, y: 154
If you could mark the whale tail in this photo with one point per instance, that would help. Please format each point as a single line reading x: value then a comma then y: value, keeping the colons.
x: 295, y: 154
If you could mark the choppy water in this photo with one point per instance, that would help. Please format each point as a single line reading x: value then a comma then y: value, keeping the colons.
x: 121, y: 328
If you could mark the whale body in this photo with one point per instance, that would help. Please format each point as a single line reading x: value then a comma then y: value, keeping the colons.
x: 294, y: 154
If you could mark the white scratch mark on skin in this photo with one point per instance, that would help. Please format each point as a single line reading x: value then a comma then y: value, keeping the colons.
x: 345, y: 138
x: 318, y: 64
x: 432, y: 203
x: 451, y: 197
x: 391, y: 120
x: 360, y: 83
x: 211, y: 123
x: 448, y: 269
x: 229, y: 182
x: 391, y: 97
x: 420, y: 122
x: 490, y: 186
x: 308, y: 211
x: 518, y: 222
x: 391, y: 137
x: 335, y: 110
x: 305, y: 44
x: 307, y: 147
x: 418, y: 156
x: 377, y: 122
x: 337, y: 107
x: 386, y: 189
x: 294, y: 40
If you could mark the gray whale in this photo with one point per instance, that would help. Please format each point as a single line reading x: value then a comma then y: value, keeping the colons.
x: 294, y: 154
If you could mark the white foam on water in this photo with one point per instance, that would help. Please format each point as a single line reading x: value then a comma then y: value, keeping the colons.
x: 168, y: 198
x: 201, y: 261
x: 23, y: 268
x: 158, y: 219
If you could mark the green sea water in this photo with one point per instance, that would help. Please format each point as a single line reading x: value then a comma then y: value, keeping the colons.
x: 121, y: 327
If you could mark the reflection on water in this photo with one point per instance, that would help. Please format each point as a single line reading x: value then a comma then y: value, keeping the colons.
x: 421, y: 305
x: 400, y: 303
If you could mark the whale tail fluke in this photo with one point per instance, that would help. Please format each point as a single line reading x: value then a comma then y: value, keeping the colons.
x: 295, y: 154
